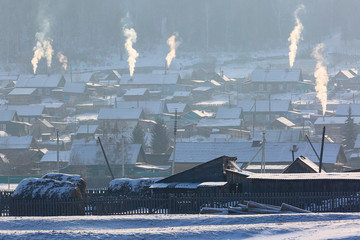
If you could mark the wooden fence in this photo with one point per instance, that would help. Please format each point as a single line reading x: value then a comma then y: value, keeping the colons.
x: 102, y: 203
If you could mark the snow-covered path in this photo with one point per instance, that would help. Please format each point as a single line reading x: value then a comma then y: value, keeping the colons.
x: 285, y: 226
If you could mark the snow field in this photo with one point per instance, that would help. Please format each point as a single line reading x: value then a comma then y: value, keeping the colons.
x: 284, y: 226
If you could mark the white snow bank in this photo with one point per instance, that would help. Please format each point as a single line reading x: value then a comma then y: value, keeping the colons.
x: 73, y: 178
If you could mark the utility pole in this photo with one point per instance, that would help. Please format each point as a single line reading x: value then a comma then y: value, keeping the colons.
x: 123, y: 155
x: 175, y: 129
x: 263, y: 154
x: 57, y: 151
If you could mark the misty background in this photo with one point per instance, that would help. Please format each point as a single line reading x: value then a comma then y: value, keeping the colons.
x: 86, y: 30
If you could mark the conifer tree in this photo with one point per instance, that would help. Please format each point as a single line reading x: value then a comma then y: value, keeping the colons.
x: 160, y: 138
x: 138, y: 135
x: 349, y: 131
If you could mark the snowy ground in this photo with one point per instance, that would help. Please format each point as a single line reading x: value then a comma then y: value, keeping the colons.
x: 285, y: 226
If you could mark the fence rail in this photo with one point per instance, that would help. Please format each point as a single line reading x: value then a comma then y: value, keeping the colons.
x: 102, y: 203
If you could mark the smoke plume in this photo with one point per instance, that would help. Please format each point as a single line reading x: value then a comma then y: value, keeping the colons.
x: 295, y: 36
x: 131, y: 36
x: 63, y: 60
x: 43, y: 46
x: 321, y: 76
x: 38, y: 54
x: 173, y: 44
x: 48, y: 51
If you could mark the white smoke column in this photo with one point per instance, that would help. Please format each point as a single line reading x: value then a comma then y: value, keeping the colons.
x: 38, y: 54
x: 295, y: 36
x: 63, y: 60
x: 48, y: 51
x: 173, y: 44
x: 40, y: 50
x: 131, y: 36
x: 321, y: 76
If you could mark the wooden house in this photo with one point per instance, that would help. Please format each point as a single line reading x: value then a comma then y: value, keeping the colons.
x: 74, y: 92
x: 119, y: 119
x: 346, y: 79
x: 276, y: 80
x: 209, y: 177
x: 152, y: 109
x: 260, y: 112
x: 28, y: 113
x: 23, y: 96
x: 44, y: 83
x: 20, y: 155
x: 167, y: 84
x: 222, y: 175
x: 10, y: 123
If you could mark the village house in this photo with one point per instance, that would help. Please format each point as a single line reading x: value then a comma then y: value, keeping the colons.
x: 221, y: 175
x: 278, y: 155
x: 151, y: 109
x: 23, y: 96
x: 44, y: 83
x: 27, y: 113
x: 74, y: 92
x: 342, y: 110
x: 260, y: 112
x: 334, y: 126
x: 113, y: 120
x: 86, y: 131
x: 167, y: 84
x: 7, y: 83
x: 276, y: 80
x: 48, y: 162
x: 19, y: 155
x: 9, y: 123
x: 346, y: 79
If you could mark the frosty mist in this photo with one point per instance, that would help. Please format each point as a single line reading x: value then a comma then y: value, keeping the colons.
x: 131, y: 36
x: 295, y: 36
x: 173, y: 44
x: 321, y: 76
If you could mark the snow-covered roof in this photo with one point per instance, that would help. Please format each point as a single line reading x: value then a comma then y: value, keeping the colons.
x: 201, y: 152
x: 203, y: 114
x: 22, y: 91
x: 149, y: 79
x: 120, y: 113
x: 201, y: 89
x: 181, y: 94
x: 277, y: 135
x: 52, y: 104
x: 149, y: 107
x: 26, y: 110
x: 13, y: 142
x: 38, y: 81
x: 285, y: 121
x: 74, y: 87
x: 226, y: 113
x: 263, y: 105
x: 348, y: 73
x: 218, y: 122
x: 79, y: 77
x: 184, y: 73
x: 83, y: 129
x: 180, y: 107
x: 307, y: 176
x: 89, y: 153
x: 276, y: 75
x: 135, y: 92
x: 343, y: 109
x: 51, y: 156
x: 8, y: 77
x: 7, y: 115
